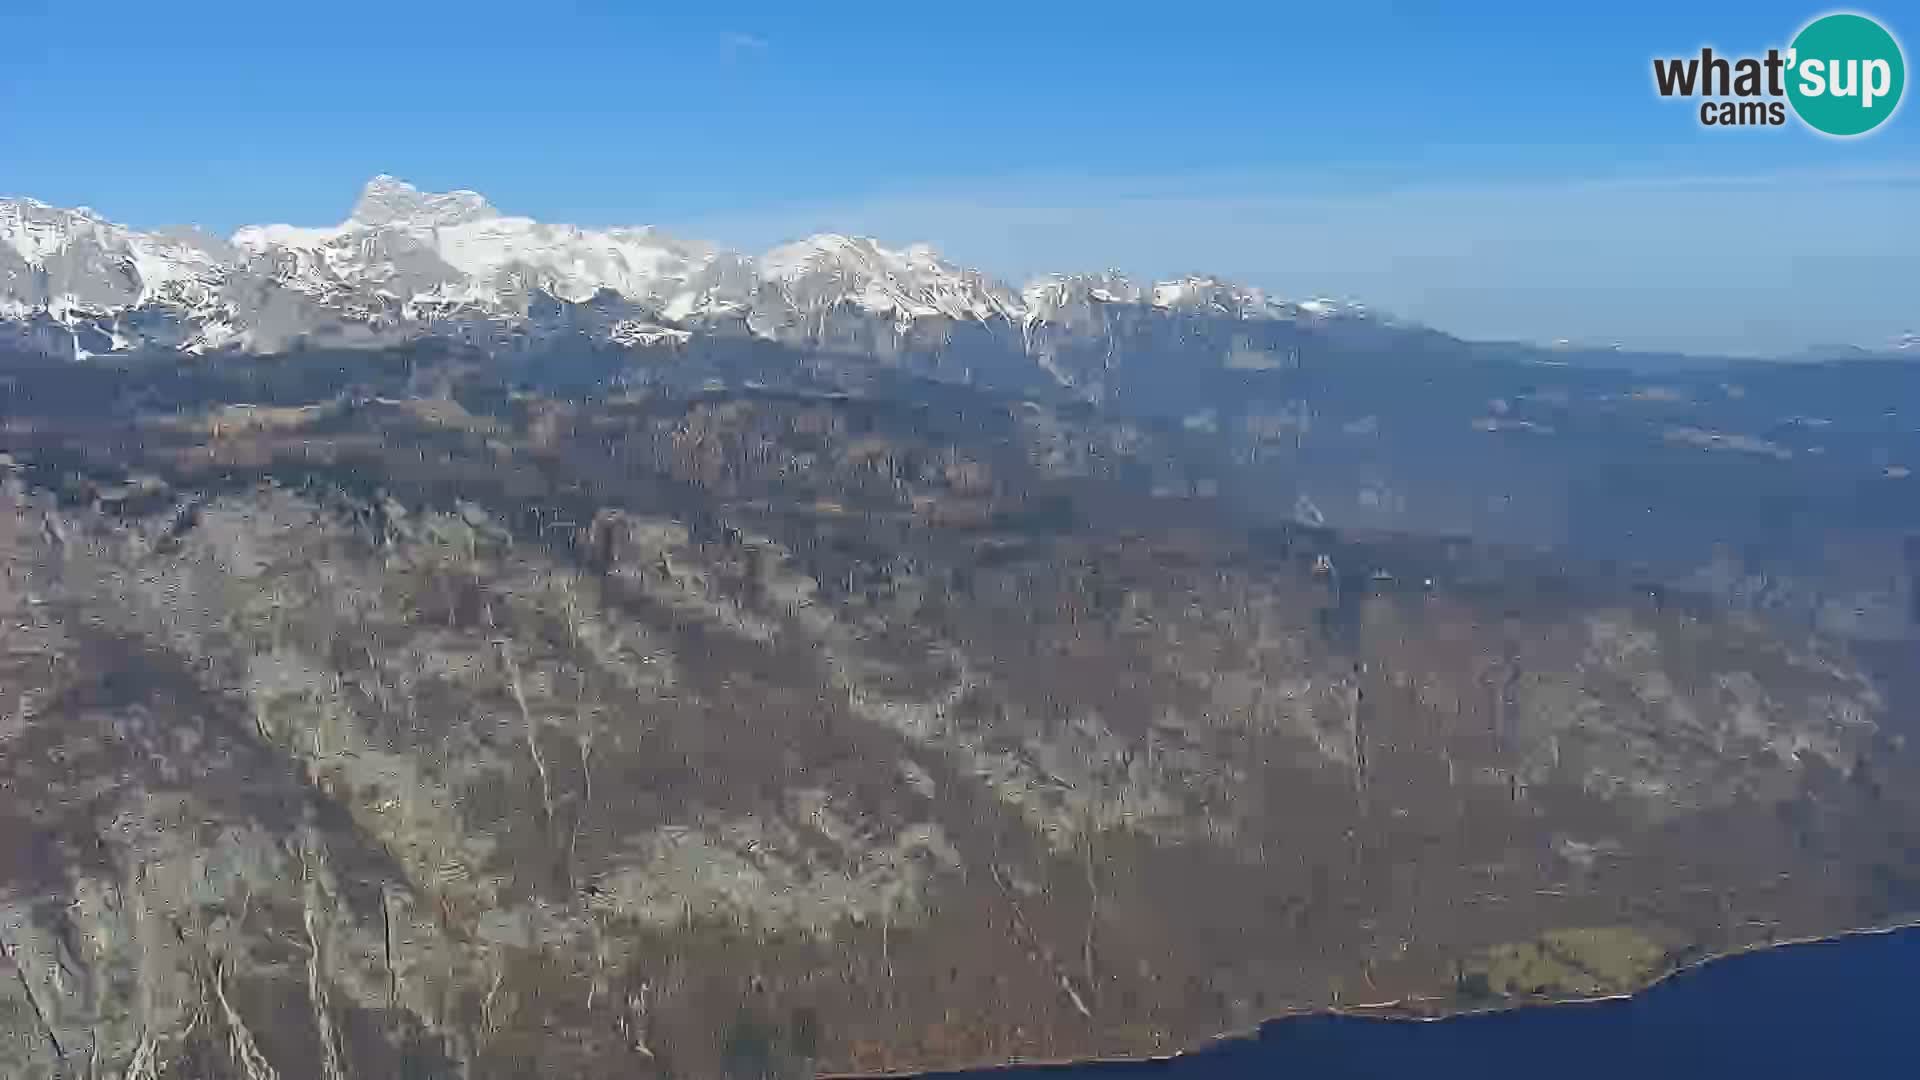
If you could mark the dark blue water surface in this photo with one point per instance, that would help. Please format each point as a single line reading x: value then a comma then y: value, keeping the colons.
x: 1832, y: 1010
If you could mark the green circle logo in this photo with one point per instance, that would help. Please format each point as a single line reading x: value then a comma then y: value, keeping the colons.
x: 1845, y: 74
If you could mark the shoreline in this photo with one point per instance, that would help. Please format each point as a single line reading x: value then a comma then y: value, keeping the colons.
x: 1400, y: 1010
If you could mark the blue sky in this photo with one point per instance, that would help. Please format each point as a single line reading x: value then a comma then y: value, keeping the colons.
x: 1504, y: 171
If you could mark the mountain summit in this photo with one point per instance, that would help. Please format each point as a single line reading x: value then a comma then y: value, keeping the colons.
x: 388, y: 200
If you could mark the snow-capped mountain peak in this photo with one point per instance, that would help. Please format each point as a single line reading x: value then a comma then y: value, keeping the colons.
x: 53, y: 258
x: 436, y: 251
x: 1045, y: 297
x: 389, y: 200
x: 915, y: 282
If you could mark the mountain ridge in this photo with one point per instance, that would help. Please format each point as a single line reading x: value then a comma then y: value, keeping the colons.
x: 411, y: 263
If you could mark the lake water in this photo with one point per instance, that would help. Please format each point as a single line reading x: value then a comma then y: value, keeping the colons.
x: 1835, y: 1010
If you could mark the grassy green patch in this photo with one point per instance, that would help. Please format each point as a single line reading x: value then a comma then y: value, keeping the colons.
x: 1579, y: 962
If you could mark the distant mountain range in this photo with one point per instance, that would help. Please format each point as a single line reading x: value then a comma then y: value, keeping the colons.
x: 407, y: 263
